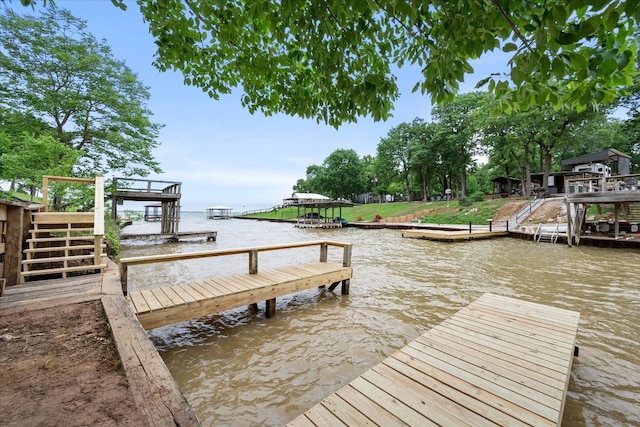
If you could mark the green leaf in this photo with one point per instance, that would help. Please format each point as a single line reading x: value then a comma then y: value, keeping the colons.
x: 482, y: 82
x: 509, y: 47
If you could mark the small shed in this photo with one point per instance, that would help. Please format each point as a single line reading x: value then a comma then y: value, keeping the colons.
x: 507, y: 186
x: 15, y: 222
x: 219, y: 212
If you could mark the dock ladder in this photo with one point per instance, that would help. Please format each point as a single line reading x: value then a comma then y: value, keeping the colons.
x: 542, y: 235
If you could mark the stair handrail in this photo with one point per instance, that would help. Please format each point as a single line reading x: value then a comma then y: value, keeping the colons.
x: 528, y: 209
x: 98, y: 212
x: 536, y: 237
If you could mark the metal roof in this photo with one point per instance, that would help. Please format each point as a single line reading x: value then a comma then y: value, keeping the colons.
x: 604, y: 156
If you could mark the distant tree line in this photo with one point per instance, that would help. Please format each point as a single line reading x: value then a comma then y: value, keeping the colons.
x: 421, y: 159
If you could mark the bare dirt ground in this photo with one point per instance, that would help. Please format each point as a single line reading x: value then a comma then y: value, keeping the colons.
x: 509, y: 209
x: 550, y: 211
x: 60, y: 367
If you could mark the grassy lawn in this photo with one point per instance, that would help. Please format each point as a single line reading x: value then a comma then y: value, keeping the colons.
x: 18, y: 196
x: 440, y: 213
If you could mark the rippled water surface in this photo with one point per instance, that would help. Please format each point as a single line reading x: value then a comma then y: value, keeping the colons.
x: 241, y: 369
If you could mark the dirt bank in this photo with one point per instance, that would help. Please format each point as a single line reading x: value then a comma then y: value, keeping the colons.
x: 60, y: 367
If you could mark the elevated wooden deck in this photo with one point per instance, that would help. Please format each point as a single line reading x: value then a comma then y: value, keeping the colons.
x: 166, y: 305
x: 498, y: 361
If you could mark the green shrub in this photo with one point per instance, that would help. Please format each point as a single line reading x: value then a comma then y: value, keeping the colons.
x: 477, y: 196
x: 112, y: 236
x: 464, y: 201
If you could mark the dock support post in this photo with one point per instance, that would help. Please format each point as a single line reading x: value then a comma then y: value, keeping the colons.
x: 253, y: 261
x: 270, y: 309
x: 345, y: 287
x: 346, y: 262
x: 324, y: 250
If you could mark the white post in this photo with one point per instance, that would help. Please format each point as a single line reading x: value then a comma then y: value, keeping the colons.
x: 98, y: 219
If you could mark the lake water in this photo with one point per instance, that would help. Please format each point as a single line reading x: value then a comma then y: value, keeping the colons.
x: 241, y: 369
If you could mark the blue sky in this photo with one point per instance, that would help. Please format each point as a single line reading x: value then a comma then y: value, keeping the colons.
x: 222, y: 154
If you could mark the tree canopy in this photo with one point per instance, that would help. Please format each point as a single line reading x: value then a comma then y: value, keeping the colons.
x: 54, y: 72
x: 336, y: 61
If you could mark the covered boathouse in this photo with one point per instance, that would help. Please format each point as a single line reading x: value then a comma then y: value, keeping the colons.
x: 317, y: 211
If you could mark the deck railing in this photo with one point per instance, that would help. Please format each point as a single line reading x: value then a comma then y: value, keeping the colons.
x: 146, y: 185
x: 252, y: 252
x: 598, y: 184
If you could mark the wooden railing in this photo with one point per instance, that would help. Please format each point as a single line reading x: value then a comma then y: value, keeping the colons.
x: 149, y: 186
x: 98, y: 211
x: 252, y: 253
x: 599, y: 184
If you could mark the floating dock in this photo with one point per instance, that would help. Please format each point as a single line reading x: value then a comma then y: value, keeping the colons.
x: 498, y: 361
x: 452, y: 235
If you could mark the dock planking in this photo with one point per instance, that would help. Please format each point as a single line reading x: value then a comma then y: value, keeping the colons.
x: 175, y: 303
x: 498, y: 361
x: 452, y: 235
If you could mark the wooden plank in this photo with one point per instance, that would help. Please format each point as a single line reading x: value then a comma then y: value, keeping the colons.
x: 161, y: 297
x: 139, y: 303
x: 247, y: 296
x: 321, y: 416
x: 175, y: 298
x: 369, y: 407
x: 154, y: 390
x: 524, y: 340
x: 395, y: 407
x: 500, y: 368
x: 216, y: 287
x: 345, y: 412
x: 487, y: 355
x: 151, y: 300
x: 430, y: 404
x: 465, y: 394
x: 508, y: 351
x: 187, y: 293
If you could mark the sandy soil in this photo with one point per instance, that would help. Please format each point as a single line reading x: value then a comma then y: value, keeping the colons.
x: 60, y: 367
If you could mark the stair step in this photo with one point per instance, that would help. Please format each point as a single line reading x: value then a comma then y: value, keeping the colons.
x: 57, y: 259
x: 62, y: 248
x: 59, y: 239
x: 62, y: 230
x: 62, y: 270
x: 63, y: 217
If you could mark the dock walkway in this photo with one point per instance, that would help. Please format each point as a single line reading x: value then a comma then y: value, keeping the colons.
x: 170, y: 304
x: 498, y: 361
x: 453, y: 235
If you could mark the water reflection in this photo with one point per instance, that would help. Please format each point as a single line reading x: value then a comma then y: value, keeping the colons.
x: 242, y: 369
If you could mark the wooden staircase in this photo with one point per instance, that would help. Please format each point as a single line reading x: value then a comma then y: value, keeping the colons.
x: 62, y: 243
x: 632, y: 212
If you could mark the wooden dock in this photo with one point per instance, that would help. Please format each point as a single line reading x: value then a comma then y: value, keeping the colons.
x: 498, y: 361
x: 172, y: 237
x: 175, y: 303
x: 452, y: 235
